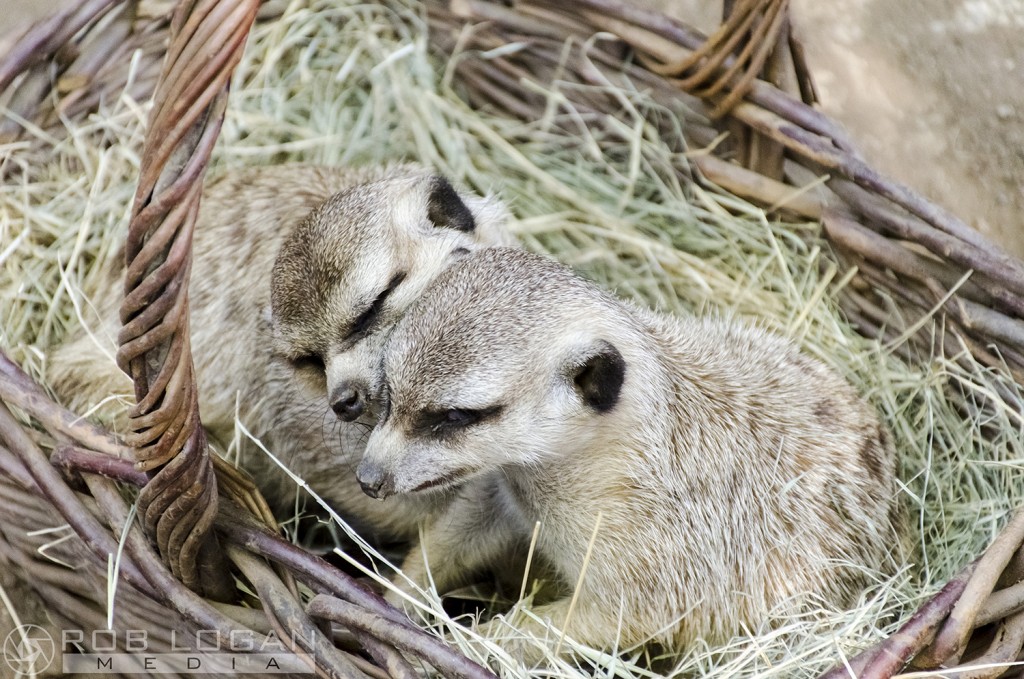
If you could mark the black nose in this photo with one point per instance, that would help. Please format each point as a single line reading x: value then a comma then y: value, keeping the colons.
x: 374, y: 481
x: 348, y: 401
x: 371, y: 489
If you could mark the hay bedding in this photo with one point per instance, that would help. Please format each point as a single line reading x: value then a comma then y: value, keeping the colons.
x: 351, y: 83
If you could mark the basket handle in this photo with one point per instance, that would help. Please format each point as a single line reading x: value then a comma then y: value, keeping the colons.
x: 179, y: 503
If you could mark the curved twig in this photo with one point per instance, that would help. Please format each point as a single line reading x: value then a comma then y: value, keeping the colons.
x: 293, y: 626
x: 179, y: 504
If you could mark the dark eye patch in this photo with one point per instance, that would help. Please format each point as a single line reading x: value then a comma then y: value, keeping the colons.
x: 308, y: 362
x: 366, y: 320
x: 444, y: 422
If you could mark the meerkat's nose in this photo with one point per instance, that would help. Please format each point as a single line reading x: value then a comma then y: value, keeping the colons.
x: 374, y: 481
x: 348, y: 401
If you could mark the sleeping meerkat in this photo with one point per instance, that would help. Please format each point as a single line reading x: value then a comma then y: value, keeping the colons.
x: 298, y: 272
x: 717, y: 471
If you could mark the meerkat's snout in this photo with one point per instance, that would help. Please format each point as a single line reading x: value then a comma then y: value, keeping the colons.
x: 375, y: 480
x: 352, y: 380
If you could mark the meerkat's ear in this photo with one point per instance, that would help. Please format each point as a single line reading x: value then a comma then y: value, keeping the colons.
x: 446, y: 210
x: 600, y: 376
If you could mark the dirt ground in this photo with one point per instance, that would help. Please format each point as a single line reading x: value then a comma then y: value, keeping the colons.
x: 933, y: 91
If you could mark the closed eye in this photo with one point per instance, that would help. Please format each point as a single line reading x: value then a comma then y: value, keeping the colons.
x: 308, y: 362
x: 365, y: 321
x: 441, y: 422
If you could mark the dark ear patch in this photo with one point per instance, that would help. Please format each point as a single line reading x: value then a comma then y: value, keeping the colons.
x: 600, y: 377
x: 446, y: 210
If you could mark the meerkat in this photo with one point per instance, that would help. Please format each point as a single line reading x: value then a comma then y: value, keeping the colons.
x: 705, y: 469
x: 298, y: 272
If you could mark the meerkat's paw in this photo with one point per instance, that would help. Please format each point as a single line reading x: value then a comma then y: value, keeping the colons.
x: 409, y: 585
x: 522, y: 636
x: 399, y: 593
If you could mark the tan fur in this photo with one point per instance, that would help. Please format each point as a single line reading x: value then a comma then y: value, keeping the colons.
x: 731, y: 473
x: 344, y: 230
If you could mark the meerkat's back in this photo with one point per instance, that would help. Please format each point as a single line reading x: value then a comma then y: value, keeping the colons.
x: 793, y: 470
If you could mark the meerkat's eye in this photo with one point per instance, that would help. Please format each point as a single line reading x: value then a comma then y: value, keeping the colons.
x: 309, y: 362
x: 441, y: 422
x: 366, y: 319
x: 461, y: 418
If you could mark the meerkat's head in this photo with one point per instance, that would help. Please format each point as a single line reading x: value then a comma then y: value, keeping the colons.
x: 347, y: 272
x: 509, y: 359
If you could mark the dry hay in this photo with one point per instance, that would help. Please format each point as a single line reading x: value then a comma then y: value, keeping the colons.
x: 350, y: 83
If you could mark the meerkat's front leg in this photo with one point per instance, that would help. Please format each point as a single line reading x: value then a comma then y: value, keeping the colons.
x: 473, y: 533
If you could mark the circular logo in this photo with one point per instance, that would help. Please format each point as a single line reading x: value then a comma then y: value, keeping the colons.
x: 28, y: 649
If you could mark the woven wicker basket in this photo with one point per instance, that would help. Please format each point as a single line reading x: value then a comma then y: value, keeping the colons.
x: 198, y: 516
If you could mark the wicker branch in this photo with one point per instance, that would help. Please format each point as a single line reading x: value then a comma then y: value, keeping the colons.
x: 58, y: 493
x: 353, y: 617
x: 287, y: 617
x: 75, y: 598
x: 951, y: 639
x: 72, y: 460
x: 887, y: 658
x: 730, y: 60
x: 179, y: 504
x: 18, y: 389
x: 39, y: 44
